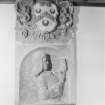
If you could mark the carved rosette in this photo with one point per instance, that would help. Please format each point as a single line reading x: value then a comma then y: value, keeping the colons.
x: 45, y: 20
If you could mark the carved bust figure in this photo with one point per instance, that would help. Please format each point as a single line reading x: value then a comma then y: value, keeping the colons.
x: 50, y: 82
x: 43, y: 77
x: 45, y: 20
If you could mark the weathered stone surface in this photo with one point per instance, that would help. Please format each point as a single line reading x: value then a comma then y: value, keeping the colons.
x: 46, y: 55
x: 43, y: 76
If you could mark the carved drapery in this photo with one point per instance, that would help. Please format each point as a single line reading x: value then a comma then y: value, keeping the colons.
x: 45, y: 32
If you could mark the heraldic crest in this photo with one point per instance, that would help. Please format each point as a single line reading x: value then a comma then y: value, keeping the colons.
x: 45, y: 20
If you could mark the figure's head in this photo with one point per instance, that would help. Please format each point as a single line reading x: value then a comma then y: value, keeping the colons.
x: 46, y: 62
x: 45, y: 15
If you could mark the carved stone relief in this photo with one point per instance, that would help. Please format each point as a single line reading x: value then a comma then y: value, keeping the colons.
x: 45, y: 52
x: 43, y: 74
x: 45, y: 20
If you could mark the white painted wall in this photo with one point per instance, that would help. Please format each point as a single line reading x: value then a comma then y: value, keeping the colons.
x: 90, y: 56
x: 7, y: 43
x: 90, y: 51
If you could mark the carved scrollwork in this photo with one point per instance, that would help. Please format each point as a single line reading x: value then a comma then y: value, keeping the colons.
x: 23, y: 13
x: 45, y: 20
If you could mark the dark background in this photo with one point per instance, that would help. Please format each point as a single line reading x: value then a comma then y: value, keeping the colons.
x: 76, y: 2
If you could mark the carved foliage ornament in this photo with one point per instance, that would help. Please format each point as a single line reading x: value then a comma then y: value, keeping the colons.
x: 45, y: 20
